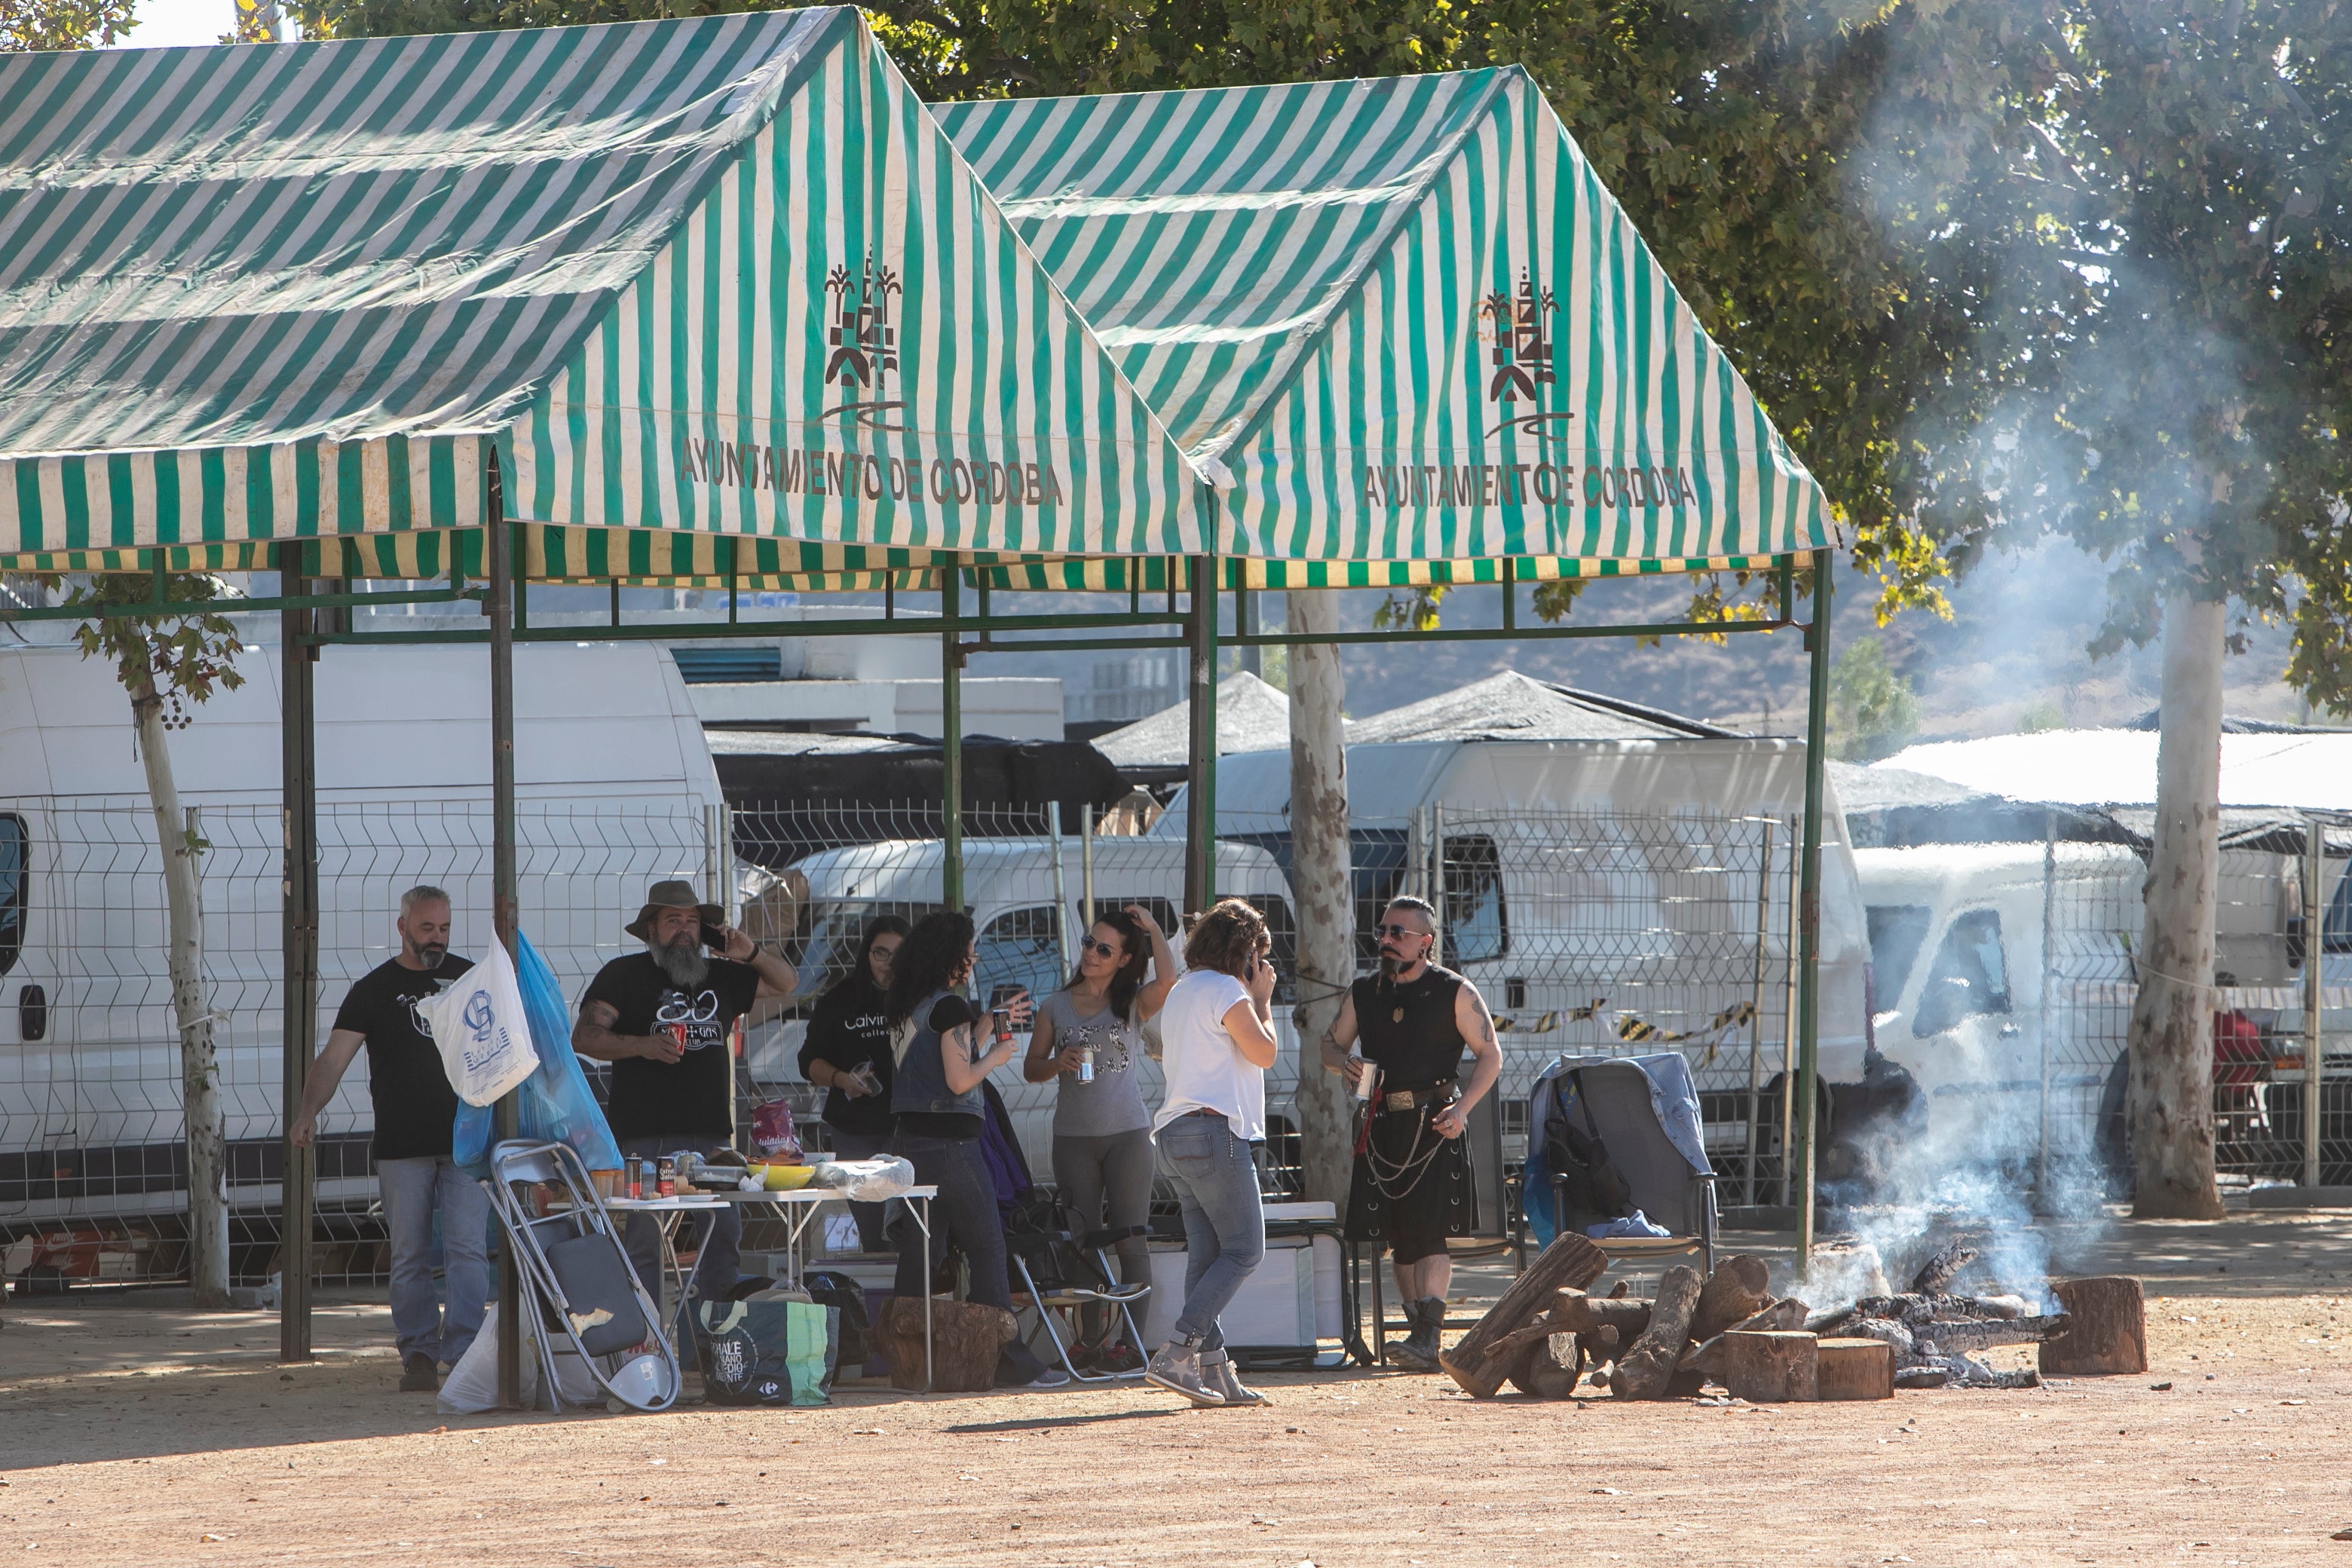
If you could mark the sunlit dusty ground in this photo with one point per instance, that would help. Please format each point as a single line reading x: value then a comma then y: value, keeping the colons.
x: 140, y: 1432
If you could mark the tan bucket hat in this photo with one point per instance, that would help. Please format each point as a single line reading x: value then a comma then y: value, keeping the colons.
x: 674, y: 894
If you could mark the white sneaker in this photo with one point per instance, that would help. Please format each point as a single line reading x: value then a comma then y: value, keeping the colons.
x: 1177, y: 1368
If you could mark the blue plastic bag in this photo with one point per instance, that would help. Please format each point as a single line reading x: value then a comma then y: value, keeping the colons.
x: 556, y: 1103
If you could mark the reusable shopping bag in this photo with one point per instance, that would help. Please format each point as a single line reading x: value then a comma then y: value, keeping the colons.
x: 480, y: 1028
x: 768, y: 1349
x: 556, y: 1104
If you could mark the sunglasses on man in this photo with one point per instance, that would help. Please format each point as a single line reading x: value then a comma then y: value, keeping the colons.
x: 1396, y: 932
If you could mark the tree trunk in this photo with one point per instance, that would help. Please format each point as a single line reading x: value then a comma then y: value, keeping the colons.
x: 1321, y: 889
x: 2172, y: 1017
x: 199, y: 1066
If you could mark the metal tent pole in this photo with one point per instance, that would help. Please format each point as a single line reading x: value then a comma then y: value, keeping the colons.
x: 498, y: 543
x: 1756, y: 1006
x: 952, y: 739
x: 1809, y: 910
x: 1201, y: 796
x: 299, y: 1037
x: 2314, y: 952
x: 2045, y: 1199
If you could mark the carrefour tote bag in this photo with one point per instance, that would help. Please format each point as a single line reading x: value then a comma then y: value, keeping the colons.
x: 484, y: 1035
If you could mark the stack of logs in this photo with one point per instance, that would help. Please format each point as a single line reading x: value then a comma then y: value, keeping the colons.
x: 1727, y: 1329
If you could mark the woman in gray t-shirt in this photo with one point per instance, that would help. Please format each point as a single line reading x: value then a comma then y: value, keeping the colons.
x: 1088, y: 1036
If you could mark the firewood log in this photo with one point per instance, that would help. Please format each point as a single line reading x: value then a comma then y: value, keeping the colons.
x: 2107, y: 1328
x: 1644, y: 1370
x: 1574, y: 1312
x: 1786, y: 1314
x: 1548, y: 1367
x: 1965, y: 1338
x: 1770, y: 1368
x: 1737, y: 1289
x: 1477, y: 1362
x: 1935, y: 1275
x: 1854, y: 1368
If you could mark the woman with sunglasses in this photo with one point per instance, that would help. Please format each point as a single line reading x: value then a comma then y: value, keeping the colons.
x: 1088, y: 1037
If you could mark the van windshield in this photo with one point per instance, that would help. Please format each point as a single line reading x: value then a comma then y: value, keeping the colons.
x: 1895, y: 932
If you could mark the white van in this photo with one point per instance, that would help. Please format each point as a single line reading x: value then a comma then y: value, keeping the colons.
x: 2004, y: 976
x: 1020, y: 917
x: 1603, y: 895
x: 616, y: 790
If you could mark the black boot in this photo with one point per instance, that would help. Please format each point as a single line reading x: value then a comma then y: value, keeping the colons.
x: 1418, y: 1350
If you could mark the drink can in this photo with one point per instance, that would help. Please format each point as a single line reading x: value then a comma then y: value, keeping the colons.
x: 677, y: 1032
x: 1087, y: 1065
x: 1003, y: 1017
x: 1368, y: 1080
x: 647, y: 1187
x: 666, y: 1185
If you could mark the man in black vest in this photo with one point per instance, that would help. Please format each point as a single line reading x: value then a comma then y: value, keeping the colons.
x: 1415, y: 1021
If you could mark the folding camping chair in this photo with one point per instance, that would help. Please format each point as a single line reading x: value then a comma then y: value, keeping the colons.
x: 572, y: 1259
x: 1617, y: 1098
x: 1064, y: 1274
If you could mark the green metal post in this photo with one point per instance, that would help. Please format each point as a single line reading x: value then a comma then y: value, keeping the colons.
x: 298, y: 1039
x: 1808, y: 908
x: 1200, y: 795
x: 952, y: 737
x: 505, y: 890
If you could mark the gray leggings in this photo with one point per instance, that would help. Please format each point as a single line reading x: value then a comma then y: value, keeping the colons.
x: 1105, y: 1182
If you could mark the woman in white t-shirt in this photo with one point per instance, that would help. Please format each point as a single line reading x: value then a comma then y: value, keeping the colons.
x: 1216, y: 1041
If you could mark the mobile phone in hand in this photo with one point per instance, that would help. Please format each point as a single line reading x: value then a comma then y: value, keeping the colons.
x: 714, y: 936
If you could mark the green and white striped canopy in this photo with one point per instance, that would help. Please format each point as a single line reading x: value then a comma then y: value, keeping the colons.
x: 722, y: 275
x: 1397, y: 319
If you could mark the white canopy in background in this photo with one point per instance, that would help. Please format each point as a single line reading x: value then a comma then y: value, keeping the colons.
x: 2118, y: 767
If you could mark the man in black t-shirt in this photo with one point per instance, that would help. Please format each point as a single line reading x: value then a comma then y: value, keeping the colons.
x: 664, y: 1017
x: 416, y: 1113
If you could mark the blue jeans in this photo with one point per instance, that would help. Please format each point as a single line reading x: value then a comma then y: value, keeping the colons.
x: 412, y: 1189
x: 1215, y: 1175
x: 718, y: 1243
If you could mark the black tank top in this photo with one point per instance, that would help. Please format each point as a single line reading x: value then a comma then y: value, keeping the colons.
x: 1408, y: 1030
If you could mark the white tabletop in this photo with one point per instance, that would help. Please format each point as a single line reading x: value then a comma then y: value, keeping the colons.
x: 664, y: 1205
x: 809, y: 1195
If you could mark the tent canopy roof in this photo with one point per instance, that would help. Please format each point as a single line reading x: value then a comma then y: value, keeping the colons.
x: 1509, y: 706
x: 1397, y: 318
x: 719, y: 275
x: 1251, y: 717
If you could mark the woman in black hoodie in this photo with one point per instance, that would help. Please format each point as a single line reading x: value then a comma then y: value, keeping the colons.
x: 847, y: 1054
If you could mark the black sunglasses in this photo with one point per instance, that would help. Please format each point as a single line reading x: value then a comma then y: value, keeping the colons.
x: 1103, y: 948
x: 1396, y: 932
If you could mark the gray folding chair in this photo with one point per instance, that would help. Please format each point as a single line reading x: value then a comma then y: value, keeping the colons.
x: 577, y: 1277
x: 1668, y: 1189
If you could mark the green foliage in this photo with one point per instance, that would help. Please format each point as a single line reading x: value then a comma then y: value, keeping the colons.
x: 61, y: 23
x: 1872, y: 712
x: 175, y: 655
x: 2194, y: 165
x: 2039, y: 717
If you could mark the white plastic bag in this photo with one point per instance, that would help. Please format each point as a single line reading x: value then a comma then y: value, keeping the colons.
x: 472, y: 1385
x: 479, y: 1024
x: 869, y: 1181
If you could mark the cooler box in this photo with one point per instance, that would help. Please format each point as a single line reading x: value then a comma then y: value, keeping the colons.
x: 1292, y: 1301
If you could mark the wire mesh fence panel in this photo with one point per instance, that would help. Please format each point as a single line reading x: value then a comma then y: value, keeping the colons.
x: 93, y: 1179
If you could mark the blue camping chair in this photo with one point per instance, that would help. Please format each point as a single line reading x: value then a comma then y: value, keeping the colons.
x: 1645, y: 1109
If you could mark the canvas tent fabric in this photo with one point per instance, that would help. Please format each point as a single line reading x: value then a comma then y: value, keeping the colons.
x: 1252, y: 716
x: 1509, y: 706
x: 1397, y: 319
x: 722, y: 275
x: 2310, y: 770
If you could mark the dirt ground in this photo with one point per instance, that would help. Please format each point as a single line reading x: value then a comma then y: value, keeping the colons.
x: 135, y: 1431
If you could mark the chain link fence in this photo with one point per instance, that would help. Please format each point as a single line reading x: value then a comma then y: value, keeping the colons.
x: 93, y: 1169
x: 1599, y: 932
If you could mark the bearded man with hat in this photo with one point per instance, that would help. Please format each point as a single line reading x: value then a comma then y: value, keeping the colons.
x: 1416, y: 1021
x: 663, y: 1017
